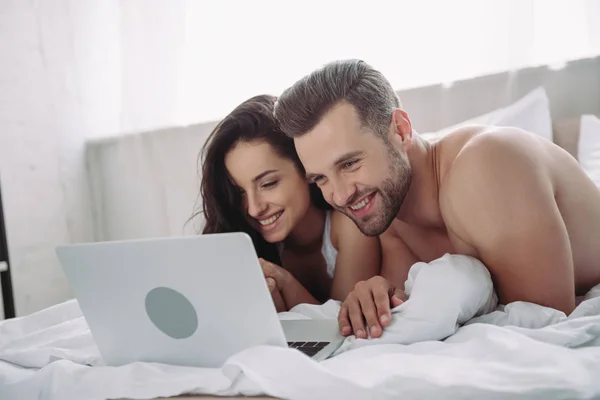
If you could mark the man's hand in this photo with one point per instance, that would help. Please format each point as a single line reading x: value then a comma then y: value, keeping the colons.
x: 371, y: 300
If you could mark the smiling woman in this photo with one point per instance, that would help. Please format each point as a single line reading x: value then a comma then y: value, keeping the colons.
x: 246, y: 161
x: 272, y: 188
x: 254, y: 182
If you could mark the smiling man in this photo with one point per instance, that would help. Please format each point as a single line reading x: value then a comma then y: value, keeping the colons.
x: 517, y: 202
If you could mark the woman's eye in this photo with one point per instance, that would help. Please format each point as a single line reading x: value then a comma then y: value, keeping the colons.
x: 270, y: 184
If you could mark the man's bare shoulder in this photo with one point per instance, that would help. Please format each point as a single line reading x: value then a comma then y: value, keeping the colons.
x: 455, y: 143
x: 483, y: 149
x: 501, y: 160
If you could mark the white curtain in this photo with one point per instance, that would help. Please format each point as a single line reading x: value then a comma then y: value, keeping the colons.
x: 157, y: 63
x: 235, y: 49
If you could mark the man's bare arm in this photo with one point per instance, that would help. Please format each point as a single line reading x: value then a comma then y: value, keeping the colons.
x: 397, y: 259
x: 371, y: 300
x: 498, y: 199
x: 358, y: 259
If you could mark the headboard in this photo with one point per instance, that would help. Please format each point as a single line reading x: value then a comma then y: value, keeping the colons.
x: 572, y: 90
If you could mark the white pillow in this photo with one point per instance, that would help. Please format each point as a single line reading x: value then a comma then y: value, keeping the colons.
x: 588, y: 147
x: 531, y: 113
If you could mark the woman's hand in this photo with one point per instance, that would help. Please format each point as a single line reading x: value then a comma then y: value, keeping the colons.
x: 277, y: 298
x: 273, y: 274
x: 277, y: 277
x: 283, y: 282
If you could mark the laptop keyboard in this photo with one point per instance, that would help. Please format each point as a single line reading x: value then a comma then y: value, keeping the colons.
x: 308, y: 348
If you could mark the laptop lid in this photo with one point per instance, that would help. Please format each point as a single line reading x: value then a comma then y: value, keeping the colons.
x: 193, y: 300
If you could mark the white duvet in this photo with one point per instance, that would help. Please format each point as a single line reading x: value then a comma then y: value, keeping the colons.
x: 448, y: 341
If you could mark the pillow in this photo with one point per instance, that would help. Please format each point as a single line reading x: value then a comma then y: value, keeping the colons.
x: 588, y: 148
x: 531, y: 113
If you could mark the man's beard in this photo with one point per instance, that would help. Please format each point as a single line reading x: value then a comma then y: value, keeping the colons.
x: 392, y: 192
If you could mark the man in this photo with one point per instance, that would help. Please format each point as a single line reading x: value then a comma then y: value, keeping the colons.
x: 517, y: 202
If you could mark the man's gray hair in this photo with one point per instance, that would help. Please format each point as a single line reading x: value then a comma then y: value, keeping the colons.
x: 302, y: 106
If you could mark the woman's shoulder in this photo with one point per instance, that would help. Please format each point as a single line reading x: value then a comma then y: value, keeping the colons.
x: 344, y: 229
x: 338, y: 220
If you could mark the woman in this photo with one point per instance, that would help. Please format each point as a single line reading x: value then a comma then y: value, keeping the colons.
x: 254, y: 182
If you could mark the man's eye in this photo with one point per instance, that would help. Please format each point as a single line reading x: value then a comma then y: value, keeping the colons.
x: 349, y: 164
x: 318, y: 179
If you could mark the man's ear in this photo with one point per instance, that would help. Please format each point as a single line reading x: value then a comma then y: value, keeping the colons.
x: 401, y: 132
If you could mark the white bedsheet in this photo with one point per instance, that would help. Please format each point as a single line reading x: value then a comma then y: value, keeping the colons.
x: 515, y: 351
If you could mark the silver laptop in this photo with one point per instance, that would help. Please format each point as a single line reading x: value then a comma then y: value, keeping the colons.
x: 192, y: 301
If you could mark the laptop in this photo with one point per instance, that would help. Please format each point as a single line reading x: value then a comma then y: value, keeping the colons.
x: 192, y: 301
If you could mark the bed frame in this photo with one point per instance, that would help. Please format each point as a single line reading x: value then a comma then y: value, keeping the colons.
x: 8, y: 301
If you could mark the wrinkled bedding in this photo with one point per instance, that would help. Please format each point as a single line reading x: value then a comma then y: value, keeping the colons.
x: 450, y: 340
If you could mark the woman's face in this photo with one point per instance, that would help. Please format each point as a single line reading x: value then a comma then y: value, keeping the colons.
x: 275, y: 196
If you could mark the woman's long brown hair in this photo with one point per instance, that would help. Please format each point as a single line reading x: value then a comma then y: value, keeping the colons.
x: 221, y: 201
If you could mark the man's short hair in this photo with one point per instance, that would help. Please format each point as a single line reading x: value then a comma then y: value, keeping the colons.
x: 302, y: 106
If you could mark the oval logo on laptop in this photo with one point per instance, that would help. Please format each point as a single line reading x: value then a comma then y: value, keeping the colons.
x: 171, y: 312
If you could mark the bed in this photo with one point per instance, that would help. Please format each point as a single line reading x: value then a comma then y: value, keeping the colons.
x: 449, y: 340
x: 466, y: 347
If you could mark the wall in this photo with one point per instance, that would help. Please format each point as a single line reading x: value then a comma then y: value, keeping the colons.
x: 49, y: 98
x: 73, y: 70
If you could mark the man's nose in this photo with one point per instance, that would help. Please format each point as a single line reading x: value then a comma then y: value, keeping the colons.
x: 342, y: 192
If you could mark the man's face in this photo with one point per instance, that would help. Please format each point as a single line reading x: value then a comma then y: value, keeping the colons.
x: 360, y: 174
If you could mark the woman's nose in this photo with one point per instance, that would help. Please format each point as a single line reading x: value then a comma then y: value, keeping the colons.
x: 256, y: 207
